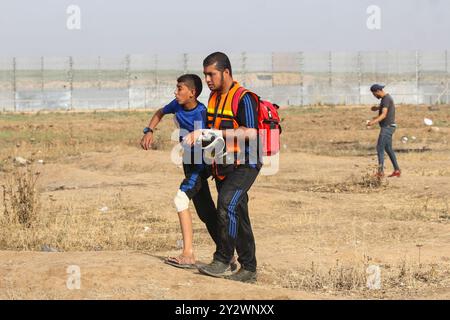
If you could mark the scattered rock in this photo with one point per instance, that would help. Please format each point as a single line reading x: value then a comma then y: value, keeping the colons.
x: 21, y: 161
x: 47, y: 248
x: 434, y: 129
x: 61, y: 187
x: 433, y: 108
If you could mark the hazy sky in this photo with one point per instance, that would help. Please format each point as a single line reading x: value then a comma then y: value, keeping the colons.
x: 115, y: 27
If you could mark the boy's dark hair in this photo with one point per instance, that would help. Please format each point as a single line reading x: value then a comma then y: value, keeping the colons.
x: 192, y: 81
x: 220, y: 59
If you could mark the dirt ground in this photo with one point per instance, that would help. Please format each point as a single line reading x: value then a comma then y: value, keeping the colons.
x: 106, y: 207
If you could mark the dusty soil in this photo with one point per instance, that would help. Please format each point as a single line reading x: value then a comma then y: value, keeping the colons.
x: 317, y: 225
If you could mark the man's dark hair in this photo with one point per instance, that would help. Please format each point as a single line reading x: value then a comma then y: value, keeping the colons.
x: 376, y: 87
x: 192, y: 81
x: 220, y: 60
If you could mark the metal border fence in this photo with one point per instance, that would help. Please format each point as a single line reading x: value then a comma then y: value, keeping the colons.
x: 148, y: 81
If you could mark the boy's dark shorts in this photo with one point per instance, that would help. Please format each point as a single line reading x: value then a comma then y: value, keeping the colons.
x: 195, y: 175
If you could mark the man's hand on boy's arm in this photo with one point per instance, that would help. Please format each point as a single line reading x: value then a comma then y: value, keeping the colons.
x: 192, y: 137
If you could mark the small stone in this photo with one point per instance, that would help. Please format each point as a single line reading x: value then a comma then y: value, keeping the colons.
x: 434, y: 129
x: 47, y: 248
x: 104, y: 209
x: 21, y: 161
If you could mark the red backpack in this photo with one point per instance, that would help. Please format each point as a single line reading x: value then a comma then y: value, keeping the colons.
x: 268, y: 122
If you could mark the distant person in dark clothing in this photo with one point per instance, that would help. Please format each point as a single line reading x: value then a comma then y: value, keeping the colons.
x: 386, y: 119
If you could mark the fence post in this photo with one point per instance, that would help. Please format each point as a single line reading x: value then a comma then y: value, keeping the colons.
x: 128, y: 75
x: 70, y: 74
x: 417, y: 76
x: 14, y: 83
x: 330, y: 69
x: 359, y: 67
x: 446, y: 76
x: 301, y: 70
x: 388, y: 71
x: 99, y: 72
x: 42, y: 81
x: 330, y: 76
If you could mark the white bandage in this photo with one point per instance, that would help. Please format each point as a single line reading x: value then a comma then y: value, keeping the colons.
x: 181, y: 201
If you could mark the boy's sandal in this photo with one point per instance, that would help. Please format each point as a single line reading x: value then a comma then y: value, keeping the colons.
x: 180, y: 262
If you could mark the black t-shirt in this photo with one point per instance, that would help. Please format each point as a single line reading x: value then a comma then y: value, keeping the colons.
x: 387, y: 102
x: 247, y: 116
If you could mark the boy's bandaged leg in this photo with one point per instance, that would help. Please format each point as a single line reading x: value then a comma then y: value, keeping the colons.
x: 181, y: 201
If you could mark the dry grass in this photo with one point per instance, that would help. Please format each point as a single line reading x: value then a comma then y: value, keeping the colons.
x: 20, y: 197
x: 26, y: 225
x: 324, y: 197
x: 350, y: 279
x: 366, y: 183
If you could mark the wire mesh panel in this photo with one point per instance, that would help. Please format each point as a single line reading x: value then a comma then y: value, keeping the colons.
x: 317, y: 78
x: 433, y: 80
x: 168, y: 68
x: 345, y: 78
x: 143, y: 80
x: 100, y: 83
x: 295, y: 78
x: 286, y: 79
x: 29, y: 84
x: 7, y: 84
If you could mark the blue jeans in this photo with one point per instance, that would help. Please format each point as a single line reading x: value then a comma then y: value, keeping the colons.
x: 385, y: 143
